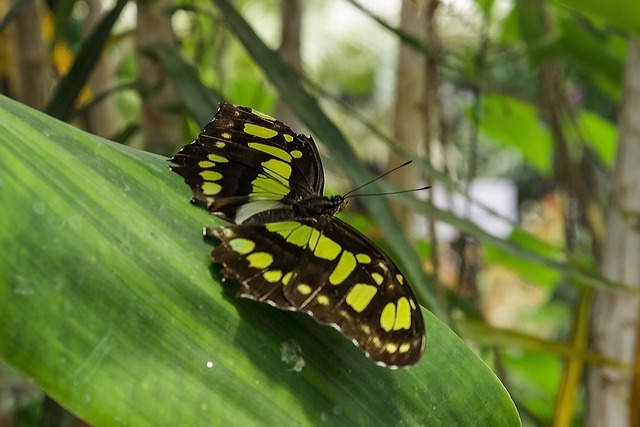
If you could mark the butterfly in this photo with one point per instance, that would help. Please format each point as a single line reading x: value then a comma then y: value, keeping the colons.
x: 286, y: 247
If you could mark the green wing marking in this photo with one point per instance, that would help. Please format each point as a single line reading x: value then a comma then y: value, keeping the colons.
x: 287, y: 248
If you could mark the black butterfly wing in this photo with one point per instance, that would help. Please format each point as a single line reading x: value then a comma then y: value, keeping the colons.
x: 245, y: 162
x: 328, y: 269
x: 252, y: 169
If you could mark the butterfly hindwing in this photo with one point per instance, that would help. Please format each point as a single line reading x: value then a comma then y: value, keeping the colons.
x: 247, y: 160
x: 326, y: 268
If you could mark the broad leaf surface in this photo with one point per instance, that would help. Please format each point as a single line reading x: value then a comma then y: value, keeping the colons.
x: 109, y: 303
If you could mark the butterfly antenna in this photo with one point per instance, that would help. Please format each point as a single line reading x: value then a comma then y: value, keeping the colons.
x: 350, y: 193
x: 391, y: 192
x: 375, y: 179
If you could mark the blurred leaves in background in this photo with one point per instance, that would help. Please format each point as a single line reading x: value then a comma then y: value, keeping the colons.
x: 509, y: 109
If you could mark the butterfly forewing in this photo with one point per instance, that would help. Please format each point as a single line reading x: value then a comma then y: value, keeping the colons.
x: 287, y: 249
x: 245, y: 160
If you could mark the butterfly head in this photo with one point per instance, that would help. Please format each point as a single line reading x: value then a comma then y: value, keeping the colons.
x: 341, y: 203
x: 336, y: 204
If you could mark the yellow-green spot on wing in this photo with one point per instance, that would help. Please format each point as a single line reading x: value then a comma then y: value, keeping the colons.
x: 295, y: 153
x: 286, y: 278
x: 403, y: 315
x: 260, y: 260
x: 242, y: 246
x: 270, y: 149
x: 396, y: 316
x: 323, y: 300
x: 388, y: 316
x: 391, y: 348
x: 216, y: 158
x: 300, y: 235
x: 293, y: 232
x: 259, y: 131
x: 304, y: 289
x: 376, y: 341
x: 322, y: 246
x: 283, y: 228
x: 210, y: 188
x: 404, y: 347
x: 204, y: 164
x: 305, y: 236
x: 263, y: 115
x: 211, y: 175
x: 343, y: 269
x: 272, y: 276
x: 363, y: 258
x: 360, y: 296
x: 269, y: 188
x: 377, y: 277
x: 280, y: 169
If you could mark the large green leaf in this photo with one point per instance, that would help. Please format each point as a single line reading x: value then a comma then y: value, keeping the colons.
x: 515, y: 124
x: 109, y: 303
x: 623, y: 14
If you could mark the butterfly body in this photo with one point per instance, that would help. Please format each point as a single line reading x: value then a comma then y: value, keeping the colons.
x: 286, y: 247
